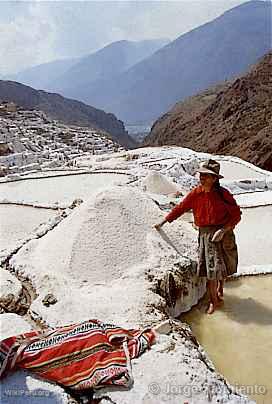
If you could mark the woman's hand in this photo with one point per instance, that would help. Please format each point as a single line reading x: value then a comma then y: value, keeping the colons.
x: 218, y: 235
x: 159, y: 225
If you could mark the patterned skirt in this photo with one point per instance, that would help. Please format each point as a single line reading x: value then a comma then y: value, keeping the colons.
x: 217, y: 260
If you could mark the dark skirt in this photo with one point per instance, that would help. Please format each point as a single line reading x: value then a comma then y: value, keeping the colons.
x: 217, y: 260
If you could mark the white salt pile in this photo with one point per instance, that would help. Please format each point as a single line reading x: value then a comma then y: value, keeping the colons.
x: 104, y: 252
x: 105, y: 261
x: 157, y: 183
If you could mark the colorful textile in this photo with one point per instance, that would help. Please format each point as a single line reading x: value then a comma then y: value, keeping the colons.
x: 81, y: 356
x: 217, y: 260
x: 209, y: 208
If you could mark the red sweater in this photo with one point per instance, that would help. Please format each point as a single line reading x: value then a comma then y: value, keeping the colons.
x: 209, y: 208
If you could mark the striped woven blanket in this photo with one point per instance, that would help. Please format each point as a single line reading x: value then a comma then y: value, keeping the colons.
x: 89, y: 355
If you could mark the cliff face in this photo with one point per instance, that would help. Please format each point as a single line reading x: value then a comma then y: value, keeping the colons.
x: 235, y: 119
x: 66, y: 110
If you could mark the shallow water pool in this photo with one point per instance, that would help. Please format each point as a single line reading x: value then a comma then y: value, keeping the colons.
x: 238, y: 336
x: 18, y: 223
x: 236, y: 171
x: 254, y: 240
x: 63, y: 190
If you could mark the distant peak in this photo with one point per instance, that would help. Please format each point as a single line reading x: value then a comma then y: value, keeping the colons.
x: 250, y: 5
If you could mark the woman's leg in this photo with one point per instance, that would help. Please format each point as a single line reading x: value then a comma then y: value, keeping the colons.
x: 220, y: 289
x: 214, y: 302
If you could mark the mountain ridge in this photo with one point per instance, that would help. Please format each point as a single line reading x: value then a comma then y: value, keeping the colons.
x: 64, y: 76
x: 107, y: 62
x: 211, y: 53
x: 40, y: 76
x: 237, y: 120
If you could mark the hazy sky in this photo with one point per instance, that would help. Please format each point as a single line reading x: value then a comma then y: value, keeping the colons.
x: 34, y: 32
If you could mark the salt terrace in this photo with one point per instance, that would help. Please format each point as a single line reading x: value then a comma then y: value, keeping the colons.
x: 94, y: 249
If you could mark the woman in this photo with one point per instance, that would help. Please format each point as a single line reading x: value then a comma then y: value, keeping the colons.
x: 216, y: 213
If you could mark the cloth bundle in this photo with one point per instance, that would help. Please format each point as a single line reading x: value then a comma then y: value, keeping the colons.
x: 88, y: 355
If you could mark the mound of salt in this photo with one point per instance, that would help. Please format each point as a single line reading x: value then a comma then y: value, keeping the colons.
x: 157, y: 183
x: 103, y: 253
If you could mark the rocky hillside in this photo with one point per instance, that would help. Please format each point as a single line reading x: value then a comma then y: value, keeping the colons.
x: 234, y: 119
x: 185, y: 110
x: 65, y: 110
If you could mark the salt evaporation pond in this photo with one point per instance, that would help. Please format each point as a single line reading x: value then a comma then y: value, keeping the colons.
x: 59, y: 189
x: 18, y: 222
x: 253, y: 235
x: 238, y: 336
x: 236, y: 171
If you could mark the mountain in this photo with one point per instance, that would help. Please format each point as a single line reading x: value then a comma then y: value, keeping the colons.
x: 212, y: 53
x: 69, y: 76
x: 106, y: 63
x: 186, y: 110
x: 68, y: 111
x: 41, y: 76
x: 233, y: 119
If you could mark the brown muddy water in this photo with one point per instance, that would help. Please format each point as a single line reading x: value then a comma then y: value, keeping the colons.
x: 238, y: 336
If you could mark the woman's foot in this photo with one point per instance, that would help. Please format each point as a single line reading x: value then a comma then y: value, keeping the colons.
x: 220, y: 296
x: 213, y: 306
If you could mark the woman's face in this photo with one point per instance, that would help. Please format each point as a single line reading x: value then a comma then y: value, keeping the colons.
x: 207, y: 180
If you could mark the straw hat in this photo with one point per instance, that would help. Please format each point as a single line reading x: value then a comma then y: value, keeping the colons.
x: 210, y: 167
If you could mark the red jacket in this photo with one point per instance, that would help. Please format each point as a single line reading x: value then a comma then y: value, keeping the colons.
x: 209, y: 208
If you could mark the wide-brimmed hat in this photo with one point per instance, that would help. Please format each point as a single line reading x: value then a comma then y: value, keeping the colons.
x: 210, y: 167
